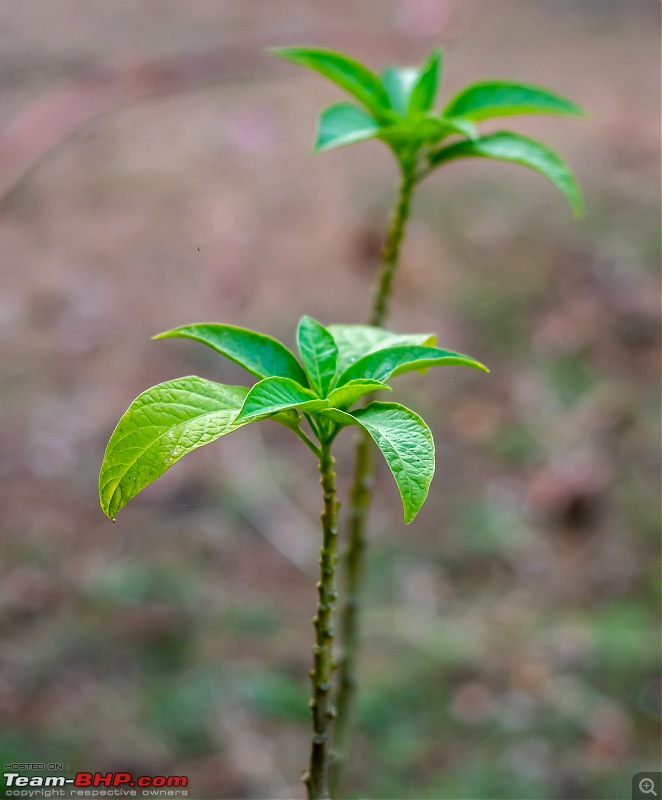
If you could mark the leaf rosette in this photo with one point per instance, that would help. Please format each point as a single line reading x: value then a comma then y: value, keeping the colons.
x: 339, y: 366
x: 398, y: 108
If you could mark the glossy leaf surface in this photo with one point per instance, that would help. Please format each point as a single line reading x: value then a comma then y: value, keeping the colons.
x: 351, y: 392
x: 261, y: 355
x: 345, y: 72
x: 161, y: 425
x: 274, y: 395
x: 406, y: 443
x: 391, y: 361
x: 355, y: 341
x: 463, y: 127
x: 428, y: 129
x: 489, y: 99
x: 424, y: 92
x: 319, y: 353
x: 399, y: 82
x: 343, y: 124
x: 517, y: 149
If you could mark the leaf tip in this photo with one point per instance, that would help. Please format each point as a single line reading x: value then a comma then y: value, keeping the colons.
x: 477, y: 365
x: 412, y: 512
x: 578, y: 208
x: 105, y: 507
x: 280, y: 52
x: 577, y: 111
x: 321, y: 146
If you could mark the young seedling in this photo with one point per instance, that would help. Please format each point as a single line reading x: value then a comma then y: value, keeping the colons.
x: 338, y: 366
x: 398, y: 108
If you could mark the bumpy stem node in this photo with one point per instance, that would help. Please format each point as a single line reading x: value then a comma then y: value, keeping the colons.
x: 322, y: 710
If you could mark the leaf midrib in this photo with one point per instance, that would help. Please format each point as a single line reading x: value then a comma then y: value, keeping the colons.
x: 399, y: 457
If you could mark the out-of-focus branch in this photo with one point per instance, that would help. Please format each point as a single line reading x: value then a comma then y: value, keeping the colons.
x: 52, y: 119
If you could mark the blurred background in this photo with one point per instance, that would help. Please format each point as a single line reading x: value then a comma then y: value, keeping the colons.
x: 155, y: 170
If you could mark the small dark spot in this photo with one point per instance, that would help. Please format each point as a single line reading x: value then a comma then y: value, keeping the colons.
x: 637, y: 329
x: 567, y: 499
x: 366, y: 247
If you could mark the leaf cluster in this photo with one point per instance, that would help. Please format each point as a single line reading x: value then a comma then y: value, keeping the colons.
x: 338, y: 366
x: 397, y: 107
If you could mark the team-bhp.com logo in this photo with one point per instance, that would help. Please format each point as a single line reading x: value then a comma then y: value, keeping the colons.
x: 93, y: 784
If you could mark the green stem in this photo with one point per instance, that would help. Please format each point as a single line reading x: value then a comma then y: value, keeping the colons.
x: 360, y: 498
x: 306, y: 440
x: 391, y: 251
x: 317, y: 776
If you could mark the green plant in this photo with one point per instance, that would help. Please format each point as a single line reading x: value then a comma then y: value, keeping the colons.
x: 339, y: 365
x: 397, y: 108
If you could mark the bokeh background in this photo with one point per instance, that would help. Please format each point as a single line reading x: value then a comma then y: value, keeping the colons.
x: 155, y: 170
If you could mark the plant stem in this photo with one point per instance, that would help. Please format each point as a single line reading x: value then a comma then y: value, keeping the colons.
x: 360, y: 498
x: 306, y: 440
x: 391, y: 251
x: 317, y: 776
x: 352, y: 579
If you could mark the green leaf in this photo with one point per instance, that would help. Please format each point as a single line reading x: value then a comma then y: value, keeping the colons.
x: 355, y: 341
x: 406, y: 443
x: 401, y: 137
x: 518, y: 149
x: 160, y: 426
x: 261, y: 355
x: 274, y: 395
x: 391, y: 361
x: 343, y: 124
x: 346, y: 72
x: 488, y: 99
x: 460, y: 126
x: 319, y: 353
x: 425, y: 91
x: 352, y: 391
x: 432, y: 129
x: 399, y: 82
